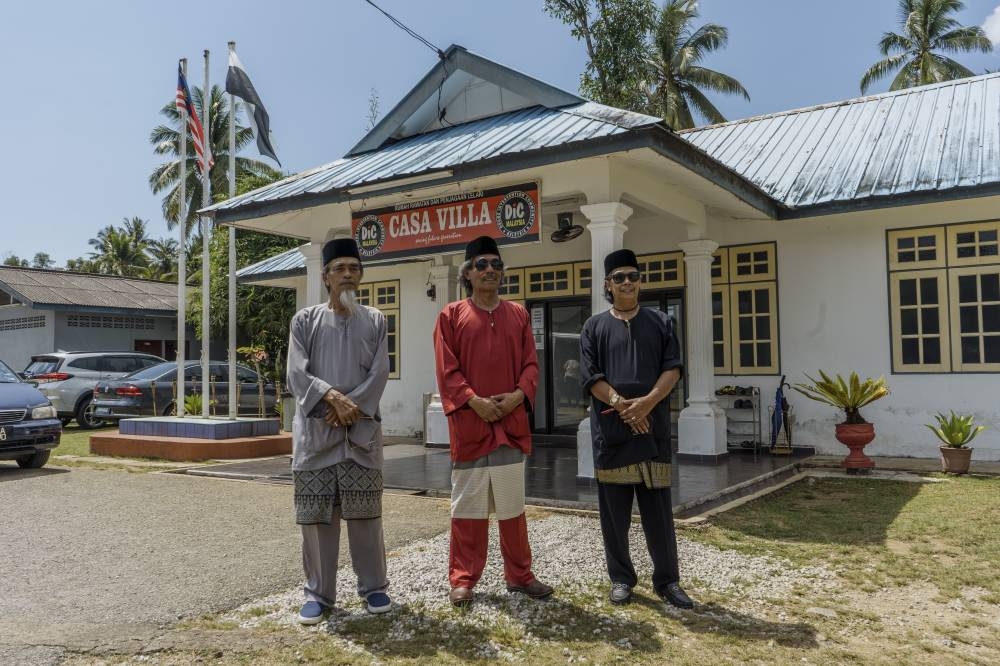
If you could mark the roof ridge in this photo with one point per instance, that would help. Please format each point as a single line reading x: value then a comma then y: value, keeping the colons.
x: 844, y: 102
x: 62, y: 271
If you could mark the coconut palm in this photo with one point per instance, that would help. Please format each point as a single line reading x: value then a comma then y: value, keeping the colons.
x: 121, y: 250
x: 927, y: 29
x: 162, y: 255
x: 678, y: 80
x: 166, y: 141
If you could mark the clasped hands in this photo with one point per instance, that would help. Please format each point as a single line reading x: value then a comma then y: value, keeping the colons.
x: 342, y: 411
x: 635, y: 413
x: 497, y: 406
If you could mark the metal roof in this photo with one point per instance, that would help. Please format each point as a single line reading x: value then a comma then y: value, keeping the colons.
x: 42, y: 288
x: 289, y: 262
x: 928, y: 140
x: 518, y: 131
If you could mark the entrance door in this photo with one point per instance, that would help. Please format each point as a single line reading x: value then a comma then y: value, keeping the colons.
x: 559, y: 402
x: 673, y: 304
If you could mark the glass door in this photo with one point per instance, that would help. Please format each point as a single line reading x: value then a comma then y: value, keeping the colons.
x: 672, y: 303
x: 569, y: 405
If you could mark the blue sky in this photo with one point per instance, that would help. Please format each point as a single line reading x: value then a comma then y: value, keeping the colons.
x: 85, y: 81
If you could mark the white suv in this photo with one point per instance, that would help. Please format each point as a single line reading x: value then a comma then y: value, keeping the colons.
x: 67, y: 379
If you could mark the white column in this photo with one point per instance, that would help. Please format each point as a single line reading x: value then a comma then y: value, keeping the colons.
x: 445, y: 281
x: 607, y: 234
x: 702, y: 425
x: 313, y: 253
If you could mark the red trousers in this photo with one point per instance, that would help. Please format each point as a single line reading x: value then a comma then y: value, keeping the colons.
x: 469, y: 539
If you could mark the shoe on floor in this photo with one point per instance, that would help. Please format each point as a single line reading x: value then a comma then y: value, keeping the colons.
x: 620, y: 593
x: 312, y: 613
x: 675, y: 596
x: 378, y: 602
x: 536, y: 589
x: 460, y: 596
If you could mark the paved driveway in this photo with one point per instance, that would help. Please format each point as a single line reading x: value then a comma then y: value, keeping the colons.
x: 95, y: 557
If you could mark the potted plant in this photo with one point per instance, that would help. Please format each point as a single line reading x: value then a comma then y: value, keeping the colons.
x: 955, y: 431
x: 850, y: 395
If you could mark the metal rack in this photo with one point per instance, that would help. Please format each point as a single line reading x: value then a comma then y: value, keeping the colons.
x: 743, y: 425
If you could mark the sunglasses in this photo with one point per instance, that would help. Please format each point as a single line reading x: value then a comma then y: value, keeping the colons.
x: 481, y: 264
x: 621, y: 276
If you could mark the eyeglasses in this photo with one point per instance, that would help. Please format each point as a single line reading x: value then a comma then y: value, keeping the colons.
x: 482, y: 263
x: 621, y: 276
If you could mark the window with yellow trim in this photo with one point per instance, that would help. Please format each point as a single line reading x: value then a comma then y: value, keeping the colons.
x: 720, y: 266
x: 944, y: 297
x: 662, y: 271
x: 549, y: 281
x: 512, y: 285
x: 582, y: 277
x: 384, y: 296
x: 753, y: 311
x: 720, y: 336
x: 751, y: 263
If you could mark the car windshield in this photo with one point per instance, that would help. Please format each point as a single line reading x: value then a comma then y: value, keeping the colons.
x: 153, y: 371
x: 7, y: 376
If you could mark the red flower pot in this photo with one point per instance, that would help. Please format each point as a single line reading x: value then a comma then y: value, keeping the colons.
x: 855, y: 436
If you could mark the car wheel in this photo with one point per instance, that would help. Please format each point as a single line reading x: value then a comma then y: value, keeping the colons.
x: 34, y: 461
x: 171, y: 410
x: 85, y: 414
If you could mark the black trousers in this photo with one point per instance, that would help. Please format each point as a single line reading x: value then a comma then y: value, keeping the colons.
x: 615, y: 504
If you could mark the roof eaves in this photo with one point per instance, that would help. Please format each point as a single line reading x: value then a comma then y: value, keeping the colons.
x: 889, y: 201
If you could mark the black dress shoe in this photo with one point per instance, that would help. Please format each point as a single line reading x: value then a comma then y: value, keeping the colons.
x: 675, y: 596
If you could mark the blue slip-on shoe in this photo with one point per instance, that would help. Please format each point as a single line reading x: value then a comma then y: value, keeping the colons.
x: 312, y: 613
x: 378, y: 602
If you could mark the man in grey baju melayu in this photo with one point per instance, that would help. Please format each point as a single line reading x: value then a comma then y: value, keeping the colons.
x: 338, y: 364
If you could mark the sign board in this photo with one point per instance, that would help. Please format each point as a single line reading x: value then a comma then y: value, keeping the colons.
x: 538, y: 325
x: 509, y: 214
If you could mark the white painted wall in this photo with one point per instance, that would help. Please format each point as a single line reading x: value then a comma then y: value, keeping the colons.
x: 17, y: 347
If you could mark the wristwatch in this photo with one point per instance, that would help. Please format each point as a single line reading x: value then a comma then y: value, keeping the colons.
x: 614, y: 399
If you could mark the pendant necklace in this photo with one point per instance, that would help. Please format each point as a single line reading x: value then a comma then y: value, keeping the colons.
x: 624, y: 321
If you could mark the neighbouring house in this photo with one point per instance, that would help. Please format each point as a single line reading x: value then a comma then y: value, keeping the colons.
x: 43, y: 310
x: 858, y: 235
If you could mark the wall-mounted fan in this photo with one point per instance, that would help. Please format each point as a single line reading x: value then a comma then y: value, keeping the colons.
x: 567, y: 230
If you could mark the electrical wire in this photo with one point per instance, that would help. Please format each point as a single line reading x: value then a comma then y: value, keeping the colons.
x: 405, y: 29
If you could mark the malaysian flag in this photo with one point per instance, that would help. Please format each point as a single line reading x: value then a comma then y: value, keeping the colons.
x: 184, y: 103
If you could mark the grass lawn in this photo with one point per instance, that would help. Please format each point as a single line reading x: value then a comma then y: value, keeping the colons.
x: 911, y: 576
x: 75, y: 441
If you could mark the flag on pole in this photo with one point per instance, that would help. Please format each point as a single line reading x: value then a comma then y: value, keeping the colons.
x: 184, y: 103
x: 238, y: 84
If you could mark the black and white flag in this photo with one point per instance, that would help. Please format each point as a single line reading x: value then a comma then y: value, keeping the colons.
x: 238, y: 84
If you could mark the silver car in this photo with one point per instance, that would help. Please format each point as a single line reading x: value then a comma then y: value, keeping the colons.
x: 67, y: 379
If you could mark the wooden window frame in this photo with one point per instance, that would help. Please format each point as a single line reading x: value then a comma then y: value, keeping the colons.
x: 771, y: 259
x: 723, y: 254
x: 734, y: 319
x: 954, y: 306
x: 568, y: 291
x: 898, y: 367
x: 647, y: 283
x: 513, y: 295
x: 578, y: 278
x: 953, y: 230
x: 368, y: 291
x: 892, y: 250
x: 727, y: 353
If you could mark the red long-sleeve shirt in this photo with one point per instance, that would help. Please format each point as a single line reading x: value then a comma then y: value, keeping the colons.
x: 480, y: 353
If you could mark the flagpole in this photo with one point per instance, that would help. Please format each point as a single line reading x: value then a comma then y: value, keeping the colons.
x: 179, y: 355
x: 233, y: 383
x: 206, y: 200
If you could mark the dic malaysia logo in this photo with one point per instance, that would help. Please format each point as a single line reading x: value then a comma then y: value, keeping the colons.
x: 515, y: 214
x: 370, y: 236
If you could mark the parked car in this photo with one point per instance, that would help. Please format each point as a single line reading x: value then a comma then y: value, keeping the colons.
x: 67, y: 379
x: 134, y: 395
x: 29, y: 428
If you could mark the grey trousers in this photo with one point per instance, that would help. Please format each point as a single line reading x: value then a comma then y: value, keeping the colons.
x: 321, y: 552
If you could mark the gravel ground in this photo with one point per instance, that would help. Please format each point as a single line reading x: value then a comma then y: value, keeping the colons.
x: 567, y: 553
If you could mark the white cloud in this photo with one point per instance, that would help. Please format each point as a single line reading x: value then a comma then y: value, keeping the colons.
x: 991, y: 26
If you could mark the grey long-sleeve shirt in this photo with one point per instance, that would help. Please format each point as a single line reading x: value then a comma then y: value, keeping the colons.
x: 349, y: 354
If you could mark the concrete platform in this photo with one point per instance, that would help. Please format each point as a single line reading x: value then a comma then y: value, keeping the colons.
x: 201, y: 428
x: 190, y: 449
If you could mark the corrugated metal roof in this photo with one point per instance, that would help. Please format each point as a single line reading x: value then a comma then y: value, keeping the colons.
x: 289, y: 261
x: 931, y: 138
x: 518, y: 131
x: 42, y: 288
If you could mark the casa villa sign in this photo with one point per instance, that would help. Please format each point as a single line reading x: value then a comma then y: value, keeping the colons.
x: 508, y: 214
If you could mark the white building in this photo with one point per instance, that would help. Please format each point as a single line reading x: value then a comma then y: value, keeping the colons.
x: 860, y: 235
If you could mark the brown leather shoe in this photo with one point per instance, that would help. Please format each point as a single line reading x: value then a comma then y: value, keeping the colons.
x: 536, y: 589
x: 460, y: 596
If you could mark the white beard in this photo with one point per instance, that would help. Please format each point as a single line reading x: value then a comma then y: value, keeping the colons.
x: 349, y: 299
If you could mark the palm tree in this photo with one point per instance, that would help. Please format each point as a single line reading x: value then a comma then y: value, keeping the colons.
x: 678, y: 79
x: 927, y: 29
x: 121, y: 250
x: 166, y: 141
x: 162, y: 255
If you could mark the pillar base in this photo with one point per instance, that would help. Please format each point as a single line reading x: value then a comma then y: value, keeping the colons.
x: 584, y: 451
x: 701, y: 431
